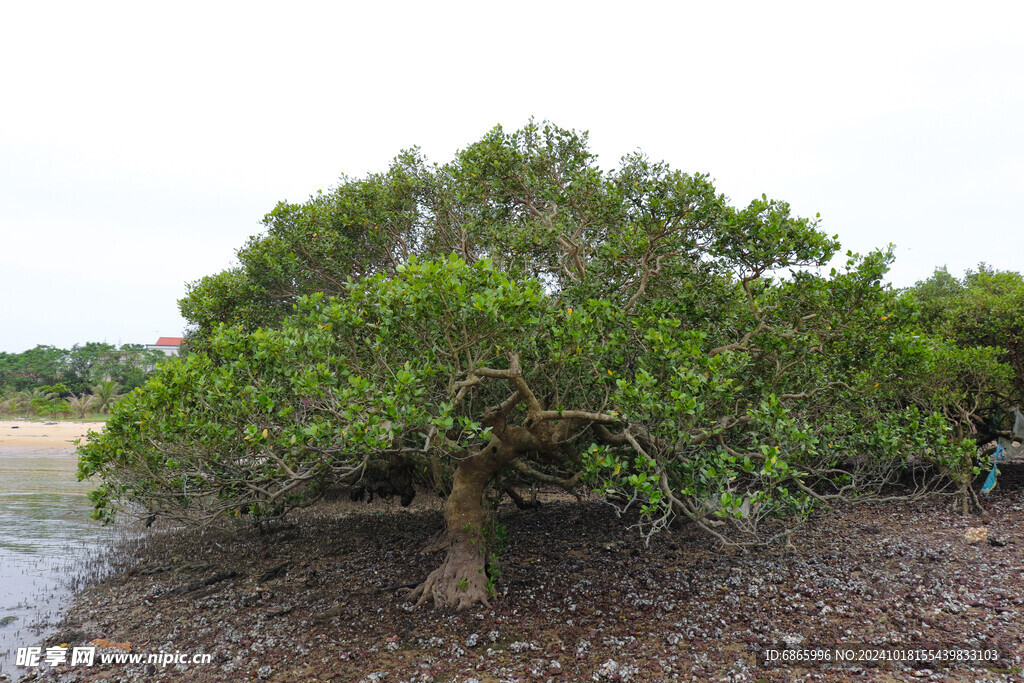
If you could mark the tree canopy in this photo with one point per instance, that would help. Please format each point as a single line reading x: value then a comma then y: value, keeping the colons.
x: 520, y: 314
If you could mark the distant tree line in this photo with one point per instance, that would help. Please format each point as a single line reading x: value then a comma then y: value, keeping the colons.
x: 85, y: 379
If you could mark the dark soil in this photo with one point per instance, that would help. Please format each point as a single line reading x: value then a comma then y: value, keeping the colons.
x: 580, y: 598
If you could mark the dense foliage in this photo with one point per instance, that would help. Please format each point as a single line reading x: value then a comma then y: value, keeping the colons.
x: 520, y: 314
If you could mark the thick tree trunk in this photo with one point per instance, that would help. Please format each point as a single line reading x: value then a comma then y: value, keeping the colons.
x: 461, y: 580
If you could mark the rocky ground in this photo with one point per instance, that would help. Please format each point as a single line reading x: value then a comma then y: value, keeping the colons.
x: 581, y: 598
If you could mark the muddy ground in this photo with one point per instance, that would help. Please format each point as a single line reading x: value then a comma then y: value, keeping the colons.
x: 580, y: 598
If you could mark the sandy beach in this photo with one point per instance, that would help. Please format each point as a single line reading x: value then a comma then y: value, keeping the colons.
x: 45, y: 434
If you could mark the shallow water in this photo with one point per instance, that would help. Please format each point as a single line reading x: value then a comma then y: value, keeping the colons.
x: 47, y: 542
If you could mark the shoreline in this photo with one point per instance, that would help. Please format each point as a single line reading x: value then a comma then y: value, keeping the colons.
x: 49, y: 546
x: 51, y: 434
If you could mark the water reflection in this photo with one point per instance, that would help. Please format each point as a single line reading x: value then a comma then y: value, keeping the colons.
x: 48, y: 543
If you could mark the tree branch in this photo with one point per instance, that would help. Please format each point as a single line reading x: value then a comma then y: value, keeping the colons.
x: 567, y: 484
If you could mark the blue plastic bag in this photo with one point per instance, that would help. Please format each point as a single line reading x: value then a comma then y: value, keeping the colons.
x: 990, y: 481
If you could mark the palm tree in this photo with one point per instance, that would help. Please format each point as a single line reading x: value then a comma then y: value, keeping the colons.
x: 9, y: 404
x: 105, y: 393
x: 81, y: 404
x: 19, y: 400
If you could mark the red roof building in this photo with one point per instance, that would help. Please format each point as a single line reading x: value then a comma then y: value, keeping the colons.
x: 169, y: 341
x: 169, y: 345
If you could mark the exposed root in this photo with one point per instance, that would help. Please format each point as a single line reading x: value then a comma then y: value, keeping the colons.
x: 459, y: 582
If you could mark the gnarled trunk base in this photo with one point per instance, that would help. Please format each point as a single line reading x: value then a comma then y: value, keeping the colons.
x: 460, y: 581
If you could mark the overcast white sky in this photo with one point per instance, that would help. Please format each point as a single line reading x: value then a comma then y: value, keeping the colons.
x: 141, y: 143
